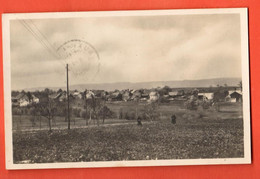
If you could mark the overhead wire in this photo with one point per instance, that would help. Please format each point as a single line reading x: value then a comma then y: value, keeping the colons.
x: 39, y: 39
x: 43, y: 40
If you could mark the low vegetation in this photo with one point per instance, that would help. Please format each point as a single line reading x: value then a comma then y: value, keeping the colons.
x: 201, y: 133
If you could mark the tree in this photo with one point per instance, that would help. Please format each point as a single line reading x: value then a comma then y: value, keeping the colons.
x: 15, y: 93
x: 95, y: 105
x: 47, y: 91
x: 105, y: 112
x: 59, y: 91
x: 192, y: 104
x: 105, y: 109
x: 120, y: 116
x: 86, y: 107
x: 151, y: 110
x: 220, y: 95
x: 48, y: 110
x: 76, y: 112
x: 165, y: 90
x: 33, y: 113
x: 18, y: 111
x: 29, y: 94
x: 240, y: 85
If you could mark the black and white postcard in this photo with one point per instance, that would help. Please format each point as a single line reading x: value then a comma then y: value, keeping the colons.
x: 126, y: 88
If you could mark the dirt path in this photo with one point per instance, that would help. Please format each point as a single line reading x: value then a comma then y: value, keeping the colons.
x: 79, y: 127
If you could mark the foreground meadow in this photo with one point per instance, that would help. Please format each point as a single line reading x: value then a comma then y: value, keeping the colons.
x: 195, y: 135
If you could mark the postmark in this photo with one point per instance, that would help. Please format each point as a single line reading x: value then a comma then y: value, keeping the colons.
x: 82, y: 58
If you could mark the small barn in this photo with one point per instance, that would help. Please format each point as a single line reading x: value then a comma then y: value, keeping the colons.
x: 205, y: 96
x: 236, y: 97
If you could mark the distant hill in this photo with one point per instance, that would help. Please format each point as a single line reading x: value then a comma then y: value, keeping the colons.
x: 138, y: 85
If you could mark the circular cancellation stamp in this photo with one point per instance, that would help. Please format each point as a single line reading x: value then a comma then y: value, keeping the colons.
x: 82, y: 58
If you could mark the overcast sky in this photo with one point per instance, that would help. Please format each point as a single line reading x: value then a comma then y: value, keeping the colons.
x: 130, y: 49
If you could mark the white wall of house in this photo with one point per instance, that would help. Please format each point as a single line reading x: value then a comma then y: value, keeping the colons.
x: 23, y: 103
x: 233, y: 100
x: 36, y: 100
x: 153, y: 96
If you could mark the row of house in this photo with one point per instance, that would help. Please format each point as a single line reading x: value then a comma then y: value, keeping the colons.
x: 143, y: 95
x: 233, y: 96
x: 147, y: 95
x: 24, y: 99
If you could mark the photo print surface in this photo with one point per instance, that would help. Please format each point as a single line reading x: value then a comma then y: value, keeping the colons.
x: 126, y: 88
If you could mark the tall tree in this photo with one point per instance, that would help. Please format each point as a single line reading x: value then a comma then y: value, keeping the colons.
x: 48, y: 110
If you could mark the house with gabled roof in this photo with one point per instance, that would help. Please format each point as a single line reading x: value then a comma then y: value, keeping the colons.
x: 154, y: 96
x: 234, y: 96
x: 89, y: 94
x: 136, y: 95
x: 115, y: 96
x: 205, y: 96
x: 172, y: 95
x: 126, y: 95
x: 24, y: 99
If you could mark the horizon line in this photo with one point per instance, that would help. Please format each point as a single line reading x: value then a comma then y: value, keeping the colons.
x: 33, y: 88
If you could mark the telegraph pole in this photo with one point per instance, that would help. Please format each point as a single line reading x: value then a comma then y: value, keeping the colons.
x: 68, y: 96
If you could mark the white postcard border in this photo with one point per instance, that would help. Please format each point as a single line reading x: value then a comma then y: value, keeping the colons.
x: 7, y: 89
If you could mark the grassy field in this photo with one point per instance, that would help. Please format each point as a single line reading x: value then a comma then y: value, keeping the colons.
x: 197, y: 134
x: 23, y: 123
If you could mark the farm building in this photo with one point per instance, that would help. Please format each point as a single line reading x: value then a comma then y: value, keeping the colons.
x: 104, y: 94
x: 62, y: 96
x: 154, y: 96
x: 180, y: 93
x: 35, y: 99
x: 173, y: 95
x: 89, y: 94
x: 205, y: 96
x: 115, y: 96
x: 100, y: 93
x: 232, y: 91
x: 76, y: 94
x: 236, y: 97
x: 136, y: 95
x: 126, y: 96
x: 24, y: 99
x: 145, y: 96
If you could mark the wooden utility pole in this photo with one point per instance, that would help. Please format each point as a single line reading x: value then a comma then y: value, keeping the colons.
x: 68, y: 96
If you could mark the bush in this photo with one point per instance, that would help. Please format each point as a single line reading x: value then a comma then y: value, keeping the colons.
x: 83, y: 114
x: 107, y: 113
x: 191, y: 104
x: 76, y: 112
x: 126, y: 116
x: 120, y: 116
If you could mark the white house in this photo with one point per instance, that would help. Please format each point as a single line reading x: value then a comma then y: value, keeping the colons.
x: 23, y: 99
x: 205, y: 96
x: 35, y: 99
x: 89, y: 94
x: 153, y: 96
x: 234, y: 96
